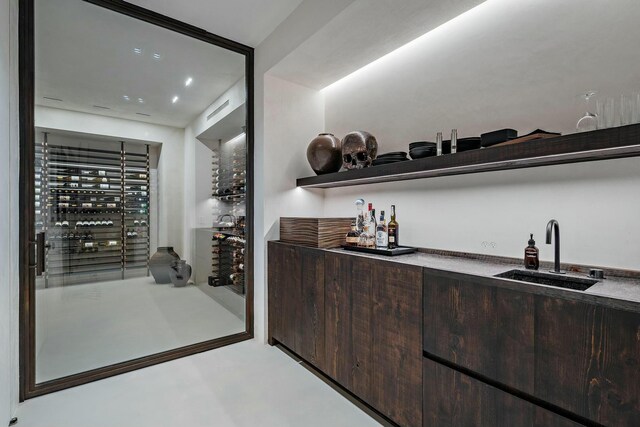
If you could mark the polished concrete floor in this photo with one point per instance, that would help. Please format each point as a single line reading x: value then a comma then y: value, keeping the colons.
x: 83, y: 327
x: 246, y: 384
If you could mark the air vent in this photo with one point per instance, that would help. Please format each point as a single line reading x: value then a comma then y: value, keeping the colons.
x: 217, y: 110
x: 101, y: 107
x: 143, y: 114
x: 52, y: 99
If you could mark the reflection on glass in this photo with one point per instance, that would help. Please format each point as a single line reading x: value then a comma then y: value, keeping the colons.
x: 140, y: 145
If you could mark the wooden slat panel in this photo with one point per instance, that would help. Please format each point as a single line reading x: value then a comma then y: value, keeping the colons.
x: 315, y: 232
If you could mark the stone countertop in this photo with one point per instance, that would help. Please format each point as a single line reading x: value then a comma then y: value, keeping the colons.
x: 616, y: 292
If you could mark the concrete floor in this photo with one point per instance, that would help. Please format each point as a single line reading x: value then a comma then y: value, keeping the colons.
x: 246, y: 384
x: 83, y: 327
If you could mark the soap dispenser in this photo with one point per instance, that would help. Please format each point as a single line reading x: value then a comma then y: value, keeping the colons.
x: 531, y: 255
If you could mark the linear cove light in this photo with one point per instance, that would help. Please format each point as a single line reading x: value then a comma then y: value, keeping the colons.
x: 412, y: 44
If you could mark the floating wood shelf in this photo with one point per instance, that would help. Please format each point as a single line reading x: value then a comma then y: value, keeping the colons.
x: 603, y: 144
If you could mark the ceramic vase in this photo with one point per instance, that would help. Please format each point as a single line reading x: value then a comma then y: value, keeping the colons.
x: 324, y: 154
x: 160, y: 264
x: 180, y: 273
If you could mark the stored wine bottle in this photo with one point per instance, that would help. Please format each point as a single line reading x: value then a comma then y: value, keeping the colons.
x: 382, y: 238
x: 393, y: 229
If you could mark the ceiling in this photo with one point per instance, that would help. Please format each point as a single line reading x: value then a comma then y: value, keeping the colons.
x: 85, y: 58
x: 245, y: 21
x: 365, y: 31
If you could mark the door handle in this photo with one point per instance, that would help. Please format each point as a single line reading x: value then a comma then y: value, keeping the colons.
x: 41, y: 247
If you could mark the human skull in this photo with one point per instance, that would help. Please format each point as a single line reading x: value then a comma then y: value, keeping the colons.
x: 358, y: 150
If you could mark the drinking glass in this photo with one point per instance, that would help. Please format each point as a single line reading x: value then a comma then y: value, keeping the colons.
x: 590, y: 120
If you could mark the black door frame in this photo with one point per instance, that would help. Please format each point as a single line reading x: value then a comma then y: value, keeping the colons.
x: 26, y: 64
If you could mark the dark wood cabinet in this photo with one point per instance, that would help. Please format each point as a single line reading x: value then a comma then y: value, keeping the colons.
x: 397, y: 335
x: 348, y: 331
x: 296, y: 300
x: 588, y: 360
x: 480, y: 327
x: 578, y: 356
x: 494, y: 353
x: 453, y: 399
x: 374, y: 333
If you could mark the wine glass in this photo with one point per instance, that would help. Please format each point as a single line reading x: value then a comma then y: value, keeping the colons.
x: 589, y: 121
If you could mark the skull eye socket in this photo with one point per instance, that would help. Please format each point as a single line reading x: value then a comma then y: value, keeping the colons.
x: 347, y: 158
x: 362, y: 157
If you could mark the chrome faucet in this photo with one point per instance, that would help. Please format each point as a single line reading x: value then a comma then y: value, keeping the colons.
x: 555, y: 227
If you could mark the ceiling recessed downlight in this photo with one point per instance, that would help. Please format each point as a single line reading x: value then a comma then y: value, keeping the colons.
x: 175, y: 99
x: 156, y: 56
x: 138, y: 50
x: 140, y: 101
x: 188, y: 82
x: 126, y: 97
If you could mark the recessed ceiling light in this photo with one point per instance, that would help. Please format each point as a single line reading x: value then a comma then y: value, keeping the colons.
x: 156, y: 56
x: 188, y: 82
x: 138, y: 50
x: 175, y: 99
x: 140, y: 101
x: 126, y: 97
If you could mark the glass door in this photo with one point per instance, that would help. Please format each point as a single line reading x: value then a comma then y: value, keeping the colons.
x: 139, y: 153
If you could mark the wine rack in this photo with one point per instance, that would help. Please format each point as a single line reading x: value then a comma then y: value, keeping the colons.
x: 94, y: 211
x: 229, y: 192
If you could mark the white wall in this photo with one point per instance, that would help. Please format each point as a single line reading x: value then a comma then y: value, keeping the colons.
x: 274, y: 163
x: 199, y: 206
x: 503, y: 64
x: 170, y: 164
x: 9, y: 161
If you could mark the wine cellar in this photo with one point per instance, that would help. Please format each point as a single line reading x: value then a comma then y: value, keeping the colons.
x: 92, y: 210
x: 229, y: 192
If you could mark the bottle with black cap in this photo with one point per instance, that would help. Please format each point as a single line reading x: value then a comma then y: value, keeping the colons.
x: 531, y: 255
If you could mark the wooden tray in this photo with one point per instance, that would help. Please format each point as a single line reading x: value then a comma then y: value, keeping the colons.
x: 401, y: 250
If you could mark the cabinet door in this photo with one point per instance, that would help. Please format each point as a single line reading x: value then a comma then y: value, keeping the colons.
x: 374, y: 334
x: 453, y: 399
x: 480, y: 327
x: 296, y: 300
x: 397, y: 342
x: 284, y: 270
x: 588, y: 360
x: 348, y: 299
x: 310, y: 326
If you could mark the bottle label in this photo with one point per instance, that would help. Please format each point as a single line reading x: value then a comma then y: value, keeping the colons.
x: 381, y: 239
x: 353, y: 239
x: 392, y: 238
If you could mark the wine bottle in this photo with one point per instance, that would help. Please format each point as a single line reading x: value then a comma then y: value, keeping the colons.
x: 382, y: 241
x: 392, y: 229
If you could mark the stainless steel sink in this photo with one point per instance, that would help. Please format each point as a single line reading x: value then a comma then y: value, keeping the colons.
x: 548, y: 279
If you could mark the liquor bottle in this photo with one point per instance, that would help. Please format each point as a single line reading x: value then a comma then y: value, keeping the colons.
x: 367, y: 225
x: 382, y: 239
x: 360, y: 216
x: 392, y: 229
x: 353, y: 236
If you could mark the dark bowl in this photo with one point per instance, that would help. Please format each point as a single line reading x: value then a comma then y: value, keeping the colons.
x: 422, y: 144
x: 420, y: 154
x: 393, y: 154
x: 464, y: 144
